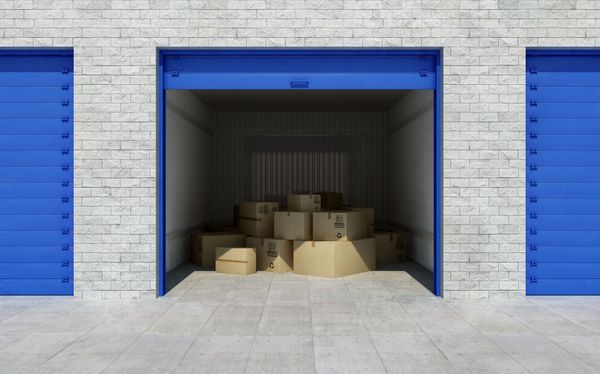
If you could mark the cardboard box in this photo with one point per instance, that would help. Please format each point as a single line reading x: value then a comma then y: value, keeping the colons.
x: 240, y: 261
x: 304, y: 203
x: 370, y: 219
x: 339, y: 225
x: 331, y: 200
x: 203, y: 251
x: 256, y: 218
x: 391, y: 247
x: 275, y: 255
x: 334, y: 259
x: 293, y: 225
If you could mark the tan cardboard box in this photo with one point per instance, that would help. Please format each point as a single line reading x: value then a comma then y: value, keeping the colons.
x: 391, y: 247
x: 275, y: 255
x: 304, y: 203
x: 256, y: 218
x: 293, y: 225
x: 334, y: 259
x: 339, y: 225
x: 331, y: 200
x: 240, y: 261
x: 370, y: 219
x: 203, y: 252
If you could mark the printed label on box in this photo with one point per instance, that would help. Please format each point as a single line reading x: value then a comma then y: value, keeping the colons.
x: 339, y: 222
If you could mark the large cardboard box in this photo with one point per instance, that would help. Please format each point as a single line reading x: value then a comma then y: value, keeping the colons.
x: 240, y: 260
x: 334, y: 259
x: 256, y: 218
x: 331, y: 200
x: 293, y: 225
x: 370, y: 219
x: 304, y: 203
x: 391, y: 247
x: 203, y: 251
x: 275, y: 255
x: 339, y: 225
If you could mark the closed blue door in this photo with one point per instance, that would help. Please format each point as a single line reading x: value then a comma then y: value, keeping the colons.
x: 563, y: 173
x: 36, y: 172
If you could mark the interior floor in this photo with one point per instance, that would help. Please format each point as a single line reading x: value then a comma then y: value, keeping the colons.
x: 407, y: 278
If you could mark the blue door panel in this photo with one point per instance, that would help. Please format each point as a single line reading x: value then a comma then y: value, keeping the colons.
x: 35, y: 126
x: 564, y: 222
x: 35, y: 222
x: 35, y: 158
x: 27, y: 270
x: 565, y: 158
x: 36, y: 172
x: 58, y: 205
x: 42, y: 286
x: 561, y: 286
x: 40, y: 254
x: 564, y: 254
x: 563, y: 173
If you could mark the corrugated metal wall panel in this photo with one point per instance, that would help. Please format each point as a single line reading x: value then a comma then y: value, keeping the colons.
x: 409, y: 196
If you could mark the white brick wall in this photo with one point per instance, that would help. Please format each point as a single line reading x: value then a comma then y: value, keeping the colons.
x: 484, y: 45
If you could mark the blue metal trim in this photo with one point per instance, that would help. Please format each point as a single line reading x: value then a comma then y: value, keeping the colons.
x: 161, y: 183
x: 579, y: 51
x: 46, y: 51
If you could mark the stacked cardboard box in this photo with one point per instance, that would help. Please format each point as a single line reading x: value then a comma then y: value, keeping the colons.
x: 256, y: 218
x: 304, y: 203
x: 203, y: 251
x: 240, y: 260
x: 273, y: 255
x: 391, y: 247
x: 331, y: 200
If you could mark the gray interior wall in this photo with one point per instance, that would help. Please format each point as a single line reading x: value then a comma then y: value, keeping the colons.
x: 189, y: 148
x: 266, y: 155
x: 409, y: 149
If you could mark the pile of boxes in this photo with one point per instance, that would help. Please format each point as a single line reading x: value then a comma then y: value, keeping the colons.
x: 316, y: 236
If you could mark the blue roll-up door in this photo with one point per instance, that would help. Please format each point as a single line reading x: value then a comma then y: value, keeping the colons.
x: 563, y: 173
x: 36, y: 172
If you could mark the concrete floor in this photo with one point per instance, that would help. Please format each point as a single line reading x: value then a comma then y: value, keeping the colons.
x: 383, y: 321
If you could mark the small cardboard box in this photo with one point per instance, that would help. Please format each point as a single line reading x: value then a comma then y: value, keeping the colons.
x: 240, y: 261
x: 334, y: 259
x: 339, y: 225
x: 391, y: 247
x: 203, y: 251
x: 331, y: 200
x: 304, y: 203
x: 293, y: 225
x: 370, y: 219
x: 275, y: 255
x: 256, y: 218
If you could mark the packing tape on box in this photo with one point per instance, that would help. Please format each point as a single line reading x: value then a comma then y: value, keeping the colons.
x: 312, y: 243
x: 250, y: 218
x: 235, y: 261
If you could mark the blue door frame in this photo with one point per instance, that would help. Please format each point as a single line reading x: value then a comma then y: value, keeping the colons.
x: 313, y: 69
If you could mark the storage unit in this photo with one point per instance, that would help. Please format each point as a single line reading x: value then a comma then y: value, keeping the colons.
x: 36, y: 172
x: 260, y: 125
x: 563, y: 179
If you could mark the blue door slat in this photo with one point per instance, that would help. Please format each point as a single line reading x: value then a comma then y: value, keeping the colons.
x: 570, y: 62
x: 29, y: 270
x: 563, y: 126
x: 34, y: 190
x: 36, y: 79
x: 565, y: 79
x: 565, y: 174
x: 564, y: 222
x: 58, y: 253
x: 43, y: 174
x: 284, y: 81
x: 56, y: 94
x: 35, y: 126
x: 553, y: 253
x: 541, y: 236
x: 564, y: 110
x: 559, y: 286
x: 35, y: 206
x: 563, y: 190
x: 36, y: 172
x: 48, y: 222
x: 34, y: 238
x: 562, y: 206
x: 568, y: 270
x: 566, y: 94
x: 36, y: 158
x: 564, y: 158
x: 36, y: 110
x: 583, y: 142
x: 48, y: 286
